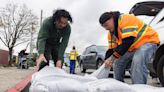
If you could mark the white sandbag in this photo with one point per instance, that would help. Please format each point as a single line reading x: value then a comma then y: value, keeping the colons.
x: 55, y: 73
x: 145, y: 88
x: 60, y: 81
x: 159, y: 90
x: 108, y: 85
x: 63, y: 85
x: 101, y: 73
x: 51, y: 79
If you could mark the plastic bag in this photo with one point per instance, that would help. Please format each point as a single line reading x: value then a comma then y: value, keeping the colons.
x: 101, y: 73
x: 51, y: 79
x: 146, y: 88
x: 108, y: 85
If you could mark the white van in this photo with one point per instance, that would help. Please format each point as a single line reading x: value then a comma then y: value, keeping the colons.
x: 155, y: 11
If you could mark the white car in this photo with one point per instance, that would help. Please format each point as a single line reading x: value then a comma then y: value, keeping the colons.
x: 155, y: 10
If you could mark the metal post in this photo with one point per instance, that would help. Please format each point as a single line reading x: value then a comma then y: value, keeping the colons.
x: 41, y: 17
x: 31, y: 41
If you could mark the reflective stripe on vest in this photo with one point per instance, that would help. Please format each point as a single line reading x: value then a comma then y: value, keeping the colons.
x: 111, y: 41
x: 128, y: 30
x: 141, y: 32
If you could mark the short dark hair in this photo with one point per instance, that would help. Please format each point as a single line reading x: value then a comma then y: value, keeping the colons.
x: 74, y: 48
x: 105, y: 16
x: 61, y: 13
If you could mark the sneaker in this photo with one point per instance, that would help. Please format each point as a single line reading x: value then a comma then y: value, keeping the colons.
x: 155, y: 80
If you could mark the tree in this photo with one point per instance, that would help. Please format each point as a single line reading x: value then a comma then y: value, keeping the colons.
x: 16, y: 24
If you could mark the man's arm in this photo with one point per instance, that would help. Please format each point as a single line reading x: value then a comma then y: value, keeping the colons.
x: 41, y: 41
x: 123, y: 48
x: 42, y: 37
x: 64, y: 43
x: 119, y: 51
x: 108, y: 53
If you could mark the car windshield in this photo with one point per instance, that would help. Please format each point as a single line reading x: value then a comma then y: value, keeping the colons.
x: 102, y: 49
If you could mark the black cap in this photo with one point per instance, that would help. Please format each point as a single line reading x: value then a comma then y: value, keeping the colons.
x: 105, y: 16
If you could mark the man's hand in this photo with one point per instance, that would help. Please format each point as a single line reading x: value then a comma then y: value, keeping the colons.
x: 108, y: 63
x: 40, y: 59
x: 59, y: 63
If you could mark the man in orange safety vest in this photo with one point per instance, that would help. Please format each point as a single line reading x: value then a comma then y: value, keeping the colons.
x: 129, y: 39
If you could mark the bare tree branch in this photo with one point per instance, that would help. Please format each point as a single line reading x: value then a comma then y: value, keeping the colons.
x: 21, y: 43
x: 16, y: 22
x: 3, y: 41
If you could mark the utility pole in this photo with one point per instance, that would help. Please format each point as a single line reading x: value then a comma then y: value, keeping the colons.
x: 31, y: 41
x: 41, y: 17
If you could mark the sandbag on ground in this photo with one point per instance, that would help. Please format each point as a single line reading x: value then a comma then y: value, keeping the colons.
x: 146, y: 88
x: 51, y: 79
x: 108, y: 85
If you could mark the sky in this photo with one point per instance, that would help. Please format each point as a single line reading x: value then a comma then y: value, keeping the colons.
x: 86, y: 29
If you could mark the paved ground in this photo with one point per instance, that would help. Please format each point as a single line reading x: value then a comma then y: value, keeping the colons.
x: 10, y: 76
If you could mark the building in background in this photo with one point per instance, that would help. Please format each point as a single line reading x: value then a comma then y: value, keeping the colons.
x: 4, y: 57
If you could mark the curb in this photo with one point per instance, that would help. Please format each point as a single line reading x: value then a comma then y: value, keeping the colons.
x: 21, y: 85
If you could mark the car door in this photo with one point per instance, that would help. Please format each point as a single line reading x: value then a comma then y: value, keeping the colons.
x: 90, y: 57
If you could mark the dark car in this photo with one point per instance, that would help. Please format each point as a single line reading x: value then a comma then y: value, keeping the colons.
x: 92, y: 57
x: 154, y: 9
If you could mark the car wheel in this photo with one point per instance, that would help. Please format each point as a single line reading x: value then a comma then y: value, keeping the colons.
x: 160, y: 70
x: 82, y: 68
x: 99, y: 63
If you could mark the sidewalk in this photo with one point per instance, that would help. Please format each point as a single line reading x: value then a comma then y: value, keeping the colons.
x: 10, y: 76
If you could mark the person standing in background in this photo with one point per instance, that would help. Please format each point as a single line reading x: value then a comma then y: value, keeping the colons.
x: 73, y: 59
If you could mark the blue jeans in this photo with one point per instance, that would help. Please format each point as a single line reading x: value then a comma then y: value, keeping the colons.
x: 72, y: 66
x: 139, y: 65
x: 19, y: 61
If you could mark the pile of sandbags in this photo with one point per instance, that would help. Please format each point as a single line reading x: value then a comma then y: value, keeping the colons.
x: 51, y: 79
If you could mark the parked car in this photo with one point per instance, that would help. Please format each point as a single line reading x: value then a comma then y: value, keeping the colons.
x: 92, y: 57
x: 155, y: 11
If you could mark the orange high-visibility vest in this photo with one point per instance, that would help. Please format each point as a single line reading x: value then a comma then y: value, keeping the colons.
x: 130, y: 25
x: 73, y: 55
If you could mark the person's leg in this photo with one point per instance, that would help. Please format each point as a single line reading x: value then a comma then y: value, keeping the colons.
x: 71, y: 66
x: 54, y: 55
x: 120, y: 65
x: 74, y: 65
x: 19, y: 64
x: 139, y: 68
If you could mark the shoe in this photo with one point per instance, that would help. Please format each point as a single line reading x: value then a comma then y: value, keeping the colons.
x: 155, y: 80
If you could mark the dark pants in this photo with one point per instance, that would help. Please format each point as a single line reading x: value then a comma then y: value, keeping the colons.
x: 72, y: 66
x: 51, y: 53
